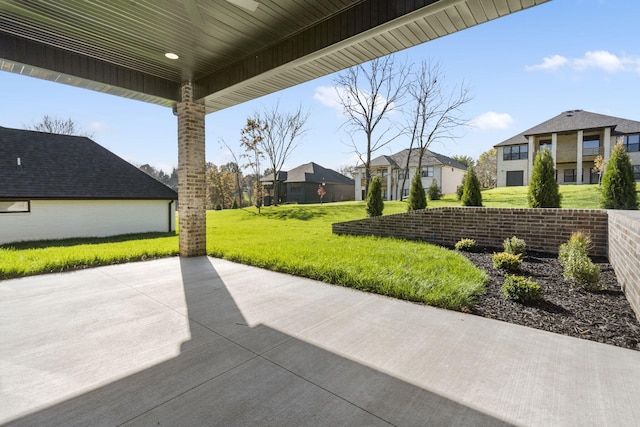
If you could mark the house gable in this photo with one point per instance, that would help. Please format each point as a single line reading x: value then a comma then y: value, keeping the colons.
x: 40, y: 165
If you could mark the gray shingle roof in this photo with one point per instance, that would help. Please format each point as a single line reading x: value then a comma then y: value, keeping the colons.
x: 69, y: 167
x: 311, y: 172
x: 574, y: 120
x: 429, y: 159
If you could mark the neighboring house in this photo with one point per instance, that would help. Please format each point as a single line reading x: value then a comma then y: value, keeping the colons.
x: 60, y: 186
x: 575, y: 138
x: 300, y: 185
x: 396, y: 179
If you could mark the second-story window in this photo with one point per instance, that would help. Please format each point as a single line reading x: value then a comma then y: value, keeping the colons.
x: 426, y: 171
x: 591, y: 145
x: 631, y: 143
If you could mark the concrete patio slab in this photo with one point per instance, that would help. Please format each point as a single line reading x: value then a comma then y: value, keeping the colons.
x: 203, y: 341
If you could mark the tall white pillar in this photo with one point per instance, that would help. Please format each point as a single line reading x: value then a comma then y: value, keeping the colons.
x: 607, y: 143
x: 532, y: 155
x: 389, y: 189
x: 579, y: 157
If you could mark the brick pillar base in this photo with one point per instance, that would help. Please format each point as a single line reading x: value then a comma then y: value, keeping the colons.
x: 191, y: 176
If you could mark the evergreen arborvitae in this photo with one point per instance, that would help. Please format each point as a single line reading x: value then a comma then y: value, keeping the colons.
x: 434, y: 191
x: 417, y: 198
x: 375, y: 205
x: 618, y: 185
x: 543, y: 188
x: 471, y: 195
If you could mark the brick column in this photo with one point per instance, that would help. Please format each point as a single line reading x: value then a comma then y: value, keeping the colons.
x: 191, y: 175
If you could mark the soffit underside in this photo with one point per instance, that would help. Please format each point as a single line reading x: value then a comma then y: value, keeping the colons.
x: 232, y: 55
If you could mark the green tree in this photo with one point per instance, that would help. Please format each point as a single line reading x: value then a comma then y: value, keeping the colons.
x: 464, y: 159
x: 375, y: 205
x: 618, y: 186
x: 417, y: 198
x: 543, y: 188
x: 434, y: 191
x: 471, y: 195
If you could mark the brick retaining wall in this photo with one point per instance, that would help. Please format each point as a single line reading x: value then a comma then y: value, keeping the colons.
x: 543, y: 230
x: 624, y: 253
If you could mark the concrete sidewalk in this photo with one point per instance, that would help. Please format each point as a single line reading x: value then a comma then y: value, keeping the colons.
x: 207, y: 342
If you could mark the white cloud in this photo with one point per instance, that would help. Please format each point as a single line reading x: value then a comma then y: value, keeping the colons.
x: 595, y: 59
x: 549, y: 63
x: 330, y: 96
x: 599, y: 59
x: 492, y: 120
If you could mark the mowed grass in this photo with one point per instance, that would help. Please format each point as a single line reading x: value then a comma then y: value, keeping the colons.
x: 297, y: 239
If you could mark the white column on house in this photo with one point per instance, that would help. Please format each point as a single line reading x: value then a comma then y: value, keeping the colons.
x: 579, y: 157
x: 532, y: 155
x: 358, y: 181
x: 389, y: 189
x: 607, y: 143
x: 554, y: 149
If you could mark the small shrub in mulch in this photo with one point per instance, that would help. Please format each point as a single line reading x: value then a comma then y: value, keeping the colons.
x: 506, y: 261
x: 515, y: 246
x: 520, y: 289
x: 466, y: 245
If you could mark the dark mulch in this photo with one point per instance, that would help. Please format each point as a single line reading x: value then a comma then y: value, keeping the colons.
x: 603, y: 316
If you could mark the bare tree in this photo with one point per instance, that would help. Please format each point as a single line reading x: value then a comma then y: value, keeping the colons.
x: 434, y: 114
x: 347, y: 170
x: 58, y: 125
x: 280, y: 134
x: 368, y: 93
x: 251, y: 137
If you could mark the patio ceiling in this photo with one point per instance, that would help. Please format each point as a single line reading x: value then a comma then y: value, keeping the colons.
x: 230, y: 52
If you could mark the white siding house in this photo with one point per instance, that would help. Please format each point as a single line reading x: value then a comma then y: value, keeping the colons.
x: 396, y: 178
x: 61, y: 186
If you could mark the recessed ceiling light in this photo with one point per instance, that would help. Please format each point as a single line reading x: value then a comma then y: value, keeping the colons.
x: 171, y: 55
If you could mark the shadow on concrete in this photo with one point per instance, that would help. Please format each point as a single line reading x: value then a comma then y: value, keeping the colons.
x: 233, y: 374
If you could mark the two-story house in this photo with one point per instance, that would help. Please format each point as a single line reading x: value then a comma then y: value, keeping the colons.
x: 396, y: 177
x: 575, y: 138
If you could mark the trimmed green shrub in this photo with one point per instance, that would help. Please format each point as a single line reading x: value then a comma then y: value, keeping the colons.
x: 577, y: 266
x: 218, y: 207
x: 235, y: 204
x: 417, y: 198
x: 506, y: 261
x: 514, y: 246
x: 618, y: 185
x: 434, y: 192
x: 543, y: 187
x: 471, y: 195
x: 459, y: 191
x: 579, y: 242
x: 466, y: 245
x: 375, y: 204
x: 520, y: 289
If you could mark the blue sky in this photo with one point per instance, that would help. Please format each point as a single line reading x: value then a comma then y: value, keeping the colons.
x: 522, y: 69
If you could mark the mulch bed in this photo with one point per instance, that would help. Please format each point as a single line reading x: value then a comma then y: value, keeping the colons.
x: 603, y: 316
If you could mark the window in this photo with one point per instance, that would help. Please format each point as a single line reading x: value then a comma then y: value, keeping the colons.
x: 426, y: 172
x: 591, y: 145
x: 631, y: 143
x: 569, y: 175
x: 403, y: 174
x: 545, y: 144
x: 515, y: 152
x: 405, y: 193
x: 12, y: 206
x: 636, y: 172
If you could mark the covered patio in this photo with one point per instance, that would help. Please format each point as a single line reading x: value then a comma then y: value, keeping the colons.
x: 198, y: 57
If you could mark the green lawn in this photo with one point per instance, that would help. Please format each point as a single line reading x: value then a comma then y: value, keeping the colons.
x: 297, y: 239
